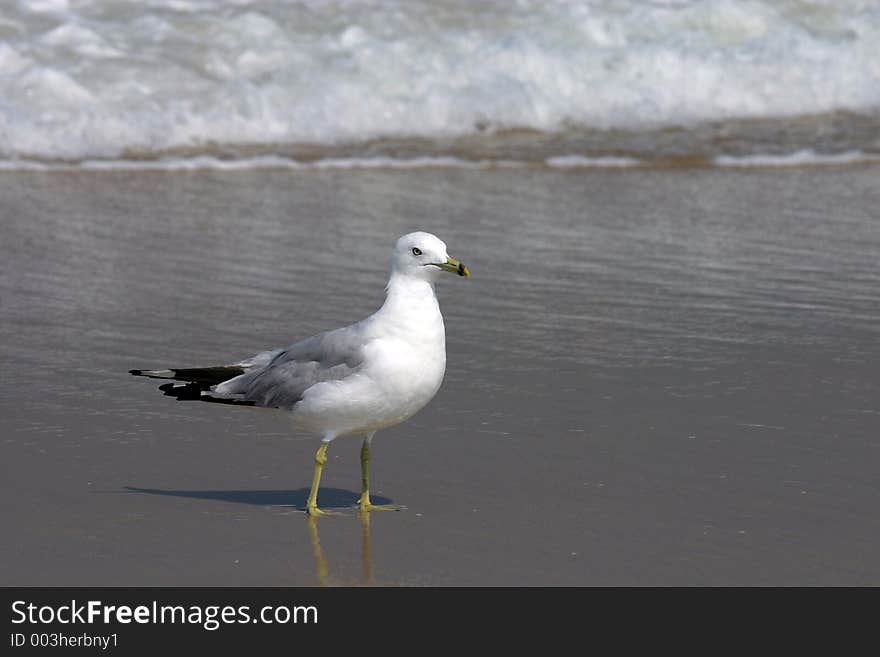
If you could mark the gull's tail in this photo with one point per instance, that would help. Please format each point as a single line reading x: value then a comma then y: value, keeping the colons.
x: 196, y: 383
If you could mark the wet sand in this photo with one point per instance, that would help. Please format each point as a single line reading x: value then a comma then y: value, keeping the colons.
x: 654, y: 377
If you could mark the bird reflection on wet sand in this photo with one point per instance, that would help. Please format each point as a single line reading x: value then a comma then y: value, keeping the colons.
x: 321, y: 568
x: 335, y: 498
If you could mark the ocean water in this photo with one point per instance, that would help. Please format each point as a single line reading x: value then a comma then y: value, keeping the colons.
x: 240, y: 83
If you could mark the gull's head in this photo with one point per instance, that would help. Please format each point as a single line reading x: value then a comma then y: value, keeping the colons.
x: 422, y: 255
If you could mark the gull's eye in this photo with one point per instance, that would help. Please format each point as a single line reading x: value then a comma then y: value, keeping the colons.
x: 417, y: 251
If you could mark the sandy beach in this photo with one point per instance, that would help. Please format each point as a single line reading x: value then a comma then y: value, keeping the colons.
x: 654, y: 377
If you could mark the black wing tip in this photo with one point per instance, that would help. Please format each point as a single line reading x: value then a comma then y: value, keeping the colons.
x: 148, y: 373
x: 182, y: 391
x: 207, y: 376
x: 193, y: 392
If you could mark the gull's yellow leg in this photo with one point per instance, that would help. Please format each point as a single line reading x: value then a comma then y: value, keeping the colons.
x: 364, y: 502
x: 320, y: 459
x: 365, y: 473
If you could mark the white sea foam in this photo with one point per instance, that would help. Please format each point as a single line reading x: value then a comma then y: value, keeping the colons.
x: 211, y: 163
x: 208, y: 162
x: 582, y: 162
x: 798, y: 159
x: 99, y: 79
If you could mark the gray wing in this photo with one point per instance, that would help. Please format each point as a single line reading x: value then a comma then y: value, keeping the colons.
x: 279, y: 378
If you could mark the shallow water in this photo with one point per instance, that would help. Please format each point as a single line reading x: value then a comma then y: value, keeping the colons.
x: 654, y: 377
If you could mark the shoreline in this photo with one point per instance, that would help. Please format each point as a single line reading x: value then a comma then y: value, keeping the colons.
x: 204, y: 163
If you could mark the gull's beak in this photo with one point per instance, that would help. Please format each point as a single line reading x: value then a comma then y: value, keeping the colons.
x: 454, y: 266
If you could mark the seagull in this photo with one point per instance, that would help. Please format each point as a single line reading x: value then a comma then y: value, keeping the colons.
x: 351, y: 381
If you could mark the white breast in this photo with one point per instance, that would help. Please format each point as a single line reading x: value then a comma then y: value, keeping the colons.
x: 403, y: 368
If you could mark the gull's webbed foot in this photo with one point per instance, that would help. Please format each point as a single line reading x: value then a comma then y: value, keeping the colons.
x: 364, y: 504
x: 381, y: 507
x: 315, y: 512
